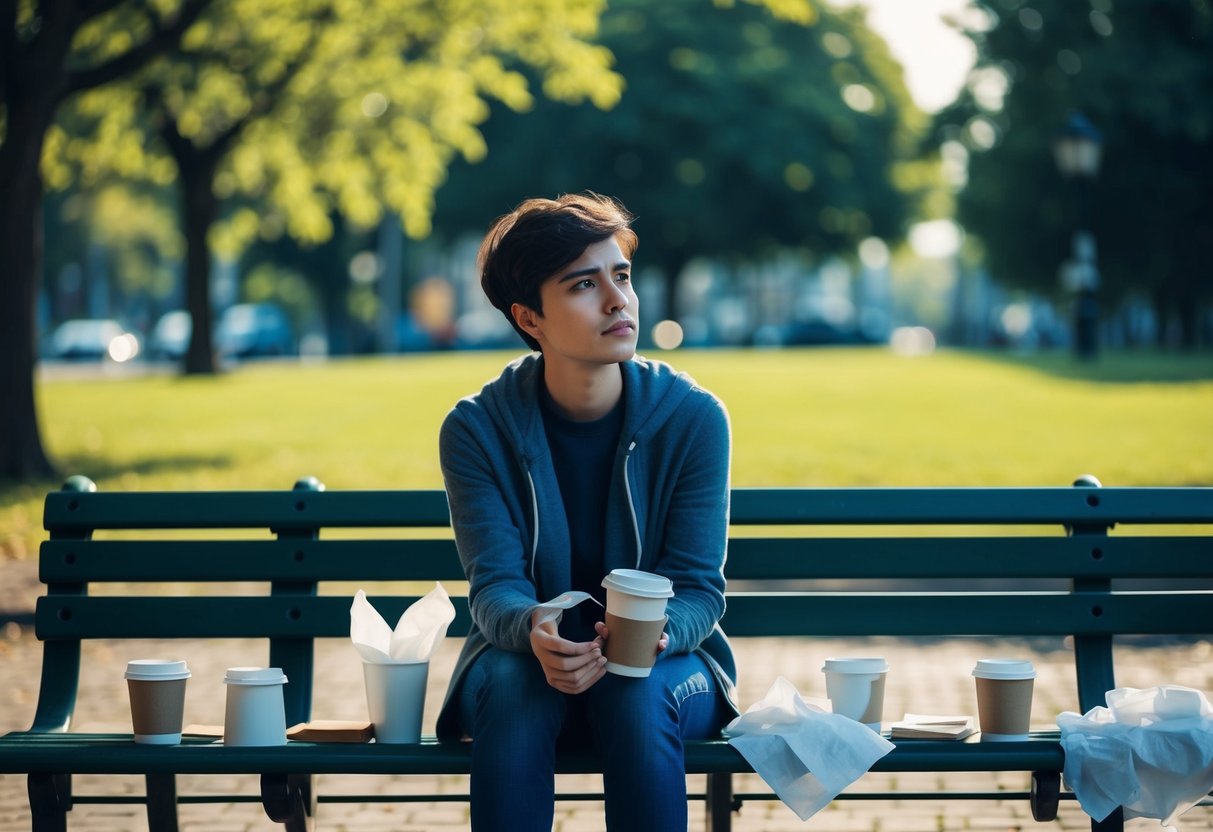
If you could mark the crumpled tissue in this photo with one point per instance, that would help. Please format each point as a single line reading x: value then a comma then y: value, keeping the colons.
x: 806, y: 754
x: 553, y: 610
x: 419, y: 630
x: 1150, y: 751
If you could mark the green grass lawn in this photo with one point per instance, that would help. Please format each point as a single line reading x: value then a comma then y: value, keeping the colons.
x: 836, y: 417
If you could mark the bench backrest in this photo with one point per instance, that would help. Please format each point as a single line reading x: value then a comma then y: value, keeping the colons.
x: 790, y: 552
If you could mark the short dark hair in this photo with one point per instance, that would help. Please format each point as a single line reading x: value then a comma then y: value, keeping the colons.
x: 537, y: 239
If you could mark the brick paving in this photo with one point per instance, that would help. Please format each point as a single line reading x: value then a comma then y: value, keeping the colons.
x: 925, y: 676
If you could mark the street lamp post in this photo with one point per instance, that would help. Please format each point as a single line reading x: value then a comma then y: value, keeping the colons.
x: 1077, y: 151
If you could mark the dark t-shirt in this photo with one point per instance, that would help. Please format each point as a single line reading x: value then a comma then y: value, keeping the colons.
x: 583, y: 454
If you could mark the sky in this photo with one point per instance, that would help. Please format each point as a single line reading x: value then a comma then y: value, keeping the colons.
x: 936, y: 57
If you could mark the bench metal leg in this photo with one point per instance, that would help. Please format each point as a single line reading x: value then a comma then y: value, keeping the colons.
x: 162, y: 802
x: 50, y: 799
x: 720, y: 802
x: 289, y: 799
x: 1045, y: 794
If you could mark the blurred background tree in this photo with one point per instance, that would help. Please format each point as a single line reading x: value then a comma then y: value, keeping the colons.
x: 1142, y: 73
x: 305, y: 108
x: 42, y: 63
x: 740, y: 134
x: 283, y: 116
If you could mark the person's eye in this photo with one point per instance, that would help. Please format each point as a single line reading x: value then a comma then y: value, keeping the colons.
x: 583, y: 284
x: 623, y: 277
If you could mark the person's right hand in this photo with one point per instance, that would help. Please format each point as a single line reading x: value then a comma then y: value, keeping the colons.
x: 569, y: 666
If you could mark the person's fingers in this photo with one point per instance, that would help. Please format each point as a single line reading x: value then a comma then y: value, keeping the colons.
x: 561, y: 663
x: 555, y: 644
x: 581, y: 680
x: 663, y: 642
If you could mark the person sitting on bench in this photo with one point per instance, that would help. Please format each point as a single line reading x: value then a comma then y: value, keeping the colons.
x: 581, y: 458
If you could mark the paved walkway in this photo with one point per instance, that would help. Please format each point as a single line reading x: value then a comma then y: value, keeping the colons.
x: 926, y: 676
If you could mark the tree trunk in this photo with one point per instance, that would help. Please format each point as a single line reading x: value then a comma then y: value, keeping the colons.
x: 1189, y: 323
x: 672, y: 268
x: 21, y: 453
x: 199, y: 210
x: 1162, y: 316
x: 30, y: 108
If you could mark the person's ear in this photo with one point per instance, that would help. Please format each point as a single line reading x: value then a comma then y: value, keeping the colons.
x: 527, y: 320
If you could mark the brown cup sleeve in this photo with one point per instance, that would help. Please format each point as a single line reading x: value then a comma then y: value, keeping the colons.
x: 632, y: 643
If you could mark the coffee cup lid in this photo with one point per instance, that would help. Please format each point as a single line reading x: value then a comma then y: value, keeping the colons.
x: 643, y: 584
x: 856, y: 664
x: 1004, y: 669
x: 156, y: 670
x: 254, y: 676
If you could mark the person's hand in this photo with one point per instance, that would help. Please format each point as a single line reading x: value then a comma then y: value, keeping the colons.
x: 603, y: 634
x: 569, y: 666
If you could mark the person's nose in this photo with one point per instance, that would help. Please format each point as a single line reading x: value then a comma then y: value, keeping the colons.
x: 616, y: 298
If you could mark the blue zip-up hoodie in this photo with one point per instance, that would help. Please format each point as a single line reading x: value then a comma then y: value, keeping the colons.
x: 667, y: 510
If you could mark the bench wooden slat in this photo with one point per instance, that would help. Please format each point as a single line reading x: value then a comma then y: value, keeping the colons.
x: 749, y: 614
x: 250, y: 560
x: 1009, y: 506
x: 67, y: 512
x: 966, y: 557
x: 278, y: 510
x: 749, y: 559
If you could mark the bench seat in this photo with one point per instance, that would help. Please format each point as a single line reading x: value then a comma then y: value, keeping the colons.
x: 118, y: 754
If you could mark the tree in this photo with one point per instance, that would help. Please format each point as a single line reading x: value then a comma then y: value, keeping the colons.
x: 41, y: 64
x: 739, y: 133
x: 288, y: 113
x: 353, y: 113
x: 1141, y: 73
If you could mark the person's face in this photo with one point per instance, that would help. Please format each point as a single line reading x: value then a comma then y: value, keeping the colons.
x: 589, y: 309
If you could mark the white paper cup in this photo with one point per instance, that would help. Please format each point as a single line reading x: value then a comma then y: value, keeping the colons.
x: 255, y: 714
x: 395, y: 698
x: 635, y: 618
x: 855, y: 687
x: 1004, y: 698
x: 157, y: 693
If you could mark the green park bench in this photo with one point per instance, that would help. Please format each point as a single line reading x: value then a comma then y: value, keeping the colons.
x: 783, y: 541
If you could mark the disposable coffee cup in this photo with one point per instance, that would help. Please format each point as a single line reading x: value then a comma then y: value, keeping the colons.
x: 635, y: 620
x: 157, y: 692
x: 395, y: 699
x: 1004, y: 698
x: 855, y: 687
x: 255, y: 713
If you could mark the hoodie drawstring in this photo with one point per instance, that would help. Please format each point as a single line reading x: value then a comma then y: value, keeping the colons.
x: 627, y: 486
x: 535, y: 516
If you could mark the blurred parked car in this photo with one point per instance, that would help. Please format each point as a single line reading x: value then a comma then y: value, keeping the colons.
x: 249, y: 330
x: 171, y: 335
x: 92, y: 340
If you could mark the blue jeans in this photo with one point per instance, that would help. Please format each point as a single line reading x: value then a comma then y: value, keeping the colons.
x: 516, y: 721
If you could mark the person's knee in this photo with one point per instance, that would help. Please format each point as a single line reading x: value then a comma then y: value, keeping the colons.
x: 504, y: 689
x: 626, y: 707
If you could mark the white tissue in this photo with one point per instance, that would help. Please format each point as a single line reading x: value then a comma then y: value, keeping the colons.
x: 1150, y: 751
x: 806, y: 754
x: 417, y: 632
x: 554, y: 610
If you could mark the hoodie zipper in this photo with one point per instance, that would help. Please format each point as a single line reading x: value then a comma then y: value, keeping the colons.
x: 627, y: 486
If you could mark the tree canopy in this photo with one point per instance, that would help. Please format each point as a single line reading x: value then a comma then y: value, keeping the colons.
x: 738, y: 133
x: 307, y: 107
x: 1141, y: 74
